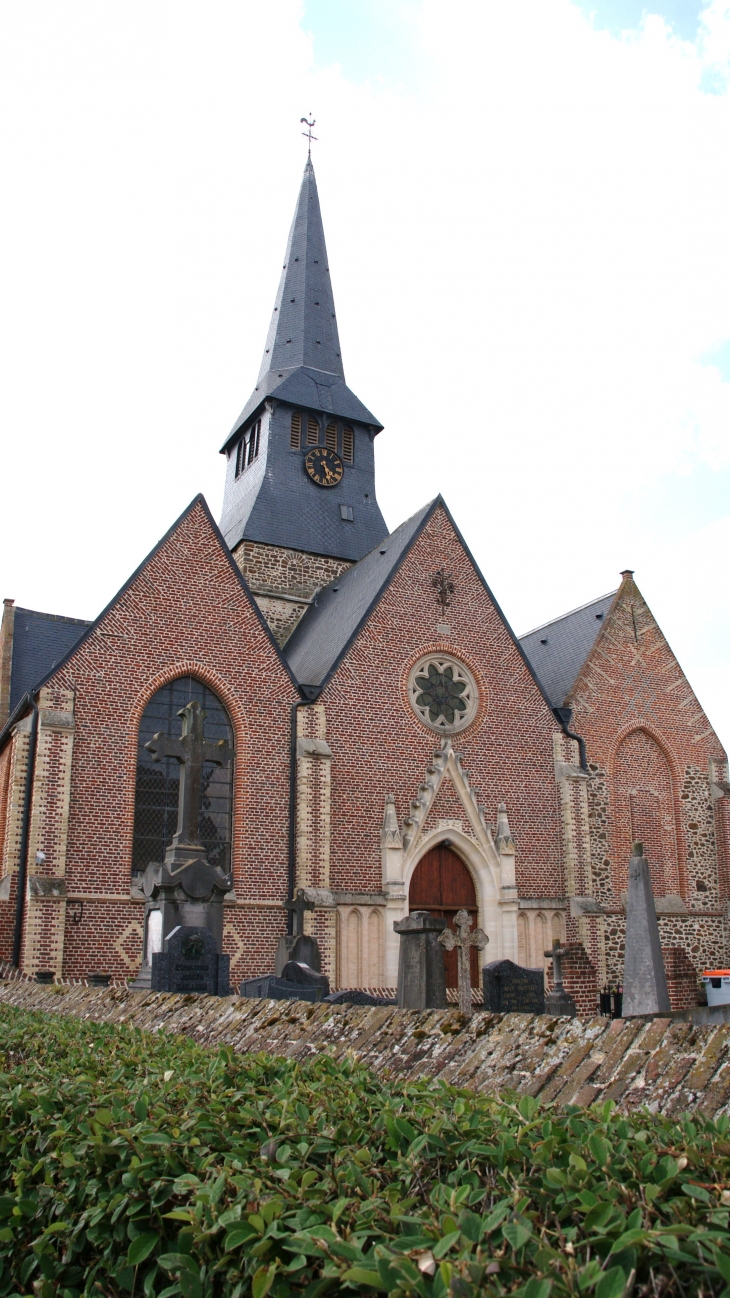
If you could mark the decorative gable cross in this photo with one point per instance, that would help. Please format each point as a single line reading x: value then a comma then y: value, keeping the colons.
x: 191, y: 750
x: 444, y: 587
x: 463, y: 940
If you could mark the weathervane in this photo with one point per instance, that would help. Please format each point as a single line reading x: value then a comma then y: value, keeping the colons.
x: 308, y: 134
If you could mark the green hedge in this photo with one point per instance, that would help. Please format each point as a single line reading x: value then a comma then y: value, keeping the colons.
x: 135, y: 1164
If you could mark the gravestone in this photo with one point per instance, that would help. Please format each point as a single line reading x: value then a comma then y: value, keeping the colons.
x: 279, y: 989
x: 296, y: 971
x: 558, y: 1001
x: 645, y: 979
x: 190, y: 962
x: 511, y: 989
x: 421, y: 970
x: 354, y: 997
x: 463, y: 940
x: 298, y: 945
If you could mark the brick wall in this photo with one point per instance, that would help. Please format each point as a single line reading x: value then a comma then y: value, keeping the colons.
x: 579, y: 979
x: 379, y: 745
x: 650, y: 747
x: 681, y: 978
x: 184, y: 612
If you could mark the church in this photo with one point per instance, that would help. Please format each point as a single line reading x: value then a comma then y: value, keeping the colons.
x: 391, y: 744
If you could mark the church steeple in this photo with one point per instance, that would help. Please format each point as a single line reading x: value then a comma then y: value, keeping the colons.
x: 278, y: 492
x: 303, y: 329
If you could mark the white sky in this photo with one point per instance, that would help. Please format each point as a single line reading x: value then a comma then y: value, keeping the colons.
x: 528, y: 220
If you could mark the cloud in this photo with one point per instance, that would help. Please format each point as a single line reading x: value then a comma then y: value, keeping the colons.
x: 528, y: 238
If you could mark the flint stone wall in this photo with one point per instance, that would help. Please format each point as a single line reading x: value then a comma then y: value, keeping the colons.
x: 669, y: 1067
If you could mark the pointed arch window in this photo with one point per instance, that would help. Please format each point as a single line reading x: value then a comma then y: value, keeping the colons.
x: 348, y: 444
x: 157, y: 785
x: 330, y: 436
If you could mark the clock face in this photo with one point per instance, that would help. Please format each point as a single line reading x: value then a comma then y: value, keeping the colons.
x: 324, y: 466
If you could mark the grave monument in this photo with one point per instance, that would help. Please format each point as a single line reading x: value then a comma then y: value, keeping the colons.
x: 421, y: 971
x: 190, y: 962
x: 463, y: 940
x: 185, y: 891
x: 645, y: 979
x: 558, y: 1001
x: 511, y: 989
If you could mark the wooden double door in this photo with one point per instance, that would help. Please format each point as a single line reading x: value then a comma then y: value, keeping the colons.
x: 442, y: 885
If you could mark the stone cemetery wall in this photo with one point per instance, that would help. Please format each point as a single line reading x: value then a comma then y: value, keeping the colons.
x: 670, y: 1067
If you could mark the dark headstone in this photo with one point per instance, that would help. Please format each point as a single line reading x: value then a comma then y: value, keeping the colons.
x: 511, y: 989
x: 421, y: 969
x: 44, y: 976
x: 190, y: 963
x: 279, y: 989
x: 358, y: 998
x: 99, y: 980
x: 296, y: 971
x: 303, y: 948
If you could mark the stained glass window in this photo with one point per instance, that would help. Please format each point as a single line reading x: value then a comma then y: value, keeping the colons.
x: 158, y: 783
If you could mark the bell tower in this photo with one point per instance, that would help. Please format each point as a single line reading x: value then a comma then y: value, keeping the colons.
x: 299, y: 504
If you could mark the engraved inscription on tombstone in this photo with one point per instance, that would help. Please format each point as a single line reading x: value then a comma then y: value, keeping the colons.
x: 511, y: 989
x: 190, y: 963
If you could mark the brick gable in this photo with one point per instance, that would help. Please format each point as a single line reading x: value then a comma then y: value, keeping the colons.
x: 185, y: 611
x: 651, y: 754
x: 379, y: 746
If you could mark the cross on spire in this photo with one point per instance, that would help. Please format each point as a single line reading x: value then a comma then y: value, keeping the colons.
x: 191, y: 750
x: 463, y: 940
x: 308, y: 133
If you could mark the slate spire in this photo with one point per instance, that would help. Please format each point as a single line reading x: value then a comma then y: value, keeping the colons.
x: 303, y: 329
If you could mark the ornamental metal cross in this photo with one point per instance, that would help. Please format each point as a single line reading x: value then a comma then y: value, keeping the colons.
x: 556, y: 953
x: 463, y: 941
x: 444, y: 587
x: 308, y: 134
x: 298, y: 906
x: 191, y: 750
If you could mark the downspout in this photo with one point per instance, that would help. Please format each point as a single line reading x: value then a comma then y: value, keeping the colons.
x: 564, y: 715
x: 25, y: 834
x: 292, y: 863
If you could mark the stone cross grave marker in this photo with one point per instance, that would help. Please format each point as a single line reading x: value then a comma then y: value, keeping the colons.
x: 299, y: 945
x: 558, y: 1001
x: 463, y: 940
x: 191, y: 750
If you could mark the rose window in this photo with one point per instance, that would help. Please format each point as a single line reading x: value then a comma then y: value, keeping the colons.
x: 443, y: 694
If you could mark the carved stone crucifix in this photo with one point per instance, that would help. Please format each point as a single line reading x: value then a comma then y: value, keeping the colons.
x: 298, y: 906
x: 191, y: 750
x: 556, y: 953
x: 463, y: 940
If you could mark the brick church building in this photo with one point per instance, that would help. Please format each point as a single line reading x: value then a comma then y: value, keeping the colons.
x: 394, y: 745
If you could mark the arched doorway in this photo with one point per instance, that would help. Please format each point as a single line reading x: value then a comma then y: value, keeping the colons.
x: 442, y: 885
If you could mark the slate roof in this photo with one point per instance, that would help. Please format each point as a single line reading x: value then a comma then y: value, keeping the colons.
x: 328, y: 627
x: 40, y: 640
x: 567, y: 642
x: 302, y: 361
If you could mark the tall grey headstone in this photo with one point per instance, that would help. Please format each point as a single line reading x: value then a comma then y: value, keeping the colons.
x: 421, y: 969
x: 645, y: 979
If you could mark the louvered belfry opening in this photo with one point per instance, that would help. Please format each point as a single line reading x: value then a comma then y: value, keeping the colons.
x: 295, y: 436
x: 312, y: 431
x: 330, y: 436
x: 348, y: 443
x: 442, y: 885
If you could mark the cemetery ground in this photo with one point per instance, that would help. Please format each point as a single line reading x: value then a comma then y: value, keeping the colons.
x: 141, y: 1164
